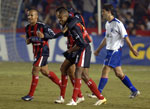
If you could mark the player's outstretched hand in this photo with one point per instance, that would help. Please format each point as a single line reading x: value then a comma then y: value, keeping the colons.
x: 28, y: 41
x: 96, y: 53
x: 136, y: 53
x: 40, y: 34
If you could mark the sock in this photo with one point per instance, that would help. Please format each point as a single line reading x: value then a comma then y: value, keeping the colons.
x: 33, y: 85
x: 54, y: 78
x: 80, y: 93
x: 76, y: 89
x: 102, y: 84
x: 64, y: 80
x: 128, y: 83
x: 91, y: 84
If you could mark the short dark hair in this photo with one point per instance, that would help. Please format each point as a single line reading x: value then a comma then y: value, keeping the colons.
x: 60, y: 9
x: 109, y: 7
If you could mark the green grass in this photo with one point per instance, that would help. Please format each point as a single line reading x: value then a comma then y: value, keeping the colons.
x: 15, y: 79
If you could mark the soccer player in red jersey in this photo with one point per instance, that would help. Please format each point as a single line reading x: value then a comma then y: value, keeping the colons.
x: 34, y: 30
x: 81, y: 54
x: 65, y: 70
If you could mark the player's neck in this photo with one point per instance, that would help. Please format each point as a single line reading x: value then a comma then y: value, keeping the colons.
x: 110, y: 18
x: 32, y: 24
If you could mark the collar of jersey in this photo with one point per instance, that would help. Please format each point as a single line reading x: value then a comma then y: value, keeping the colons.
x: 114, y: 19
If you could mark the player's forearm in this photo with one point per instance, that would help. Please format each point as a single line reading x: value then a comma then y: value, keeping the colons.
x: 103, y: 43
x: 129, y: 43
x: 58, y: 35
x: 28, y: 41
x: 75, y: 48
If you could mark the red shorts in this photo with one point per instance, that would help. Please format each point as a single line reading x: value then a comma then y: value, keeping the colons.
x: 40, y: 61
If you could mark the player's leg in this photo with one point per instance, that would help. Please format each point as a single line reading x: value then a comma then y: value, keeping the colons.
x: 82, y: 66
x: 71, y: 73
x: 77, y: 85
x: 35, y: 78
x: 45, y: 71
x: 104, y: 78
x: 64, y: 80
x: 126, y: 81
x: 51, y: 75
x: 91, y: 84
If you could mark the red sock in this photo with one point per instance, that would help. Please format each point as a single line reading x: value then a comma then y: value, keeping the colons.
x: 76, y: 89
x: 64, y: 81
x: 80, y: 93
x: 54, y: 78
x: 91, y: 84
x: 33, y: 85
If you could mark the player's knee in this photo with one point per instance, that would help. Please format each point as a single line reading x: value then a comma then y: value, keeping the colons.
x: 62, y: 69
x: 35, y: 73
x: 43, y: 71
x: 85, y: 78
x: 119, y: 75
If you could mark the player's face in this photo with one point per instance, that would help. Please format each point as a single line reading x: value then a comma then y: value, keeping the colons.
x: 32, y: 17
x: 61, y: 18
x: 105, y: 14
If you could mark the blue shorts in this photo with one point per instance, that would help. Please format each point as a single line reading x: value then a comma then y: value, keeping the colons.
x: 113, y: 58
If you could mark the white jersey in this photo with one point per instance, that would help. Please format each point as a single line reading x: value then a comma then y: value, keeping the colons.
x: 115, y: 34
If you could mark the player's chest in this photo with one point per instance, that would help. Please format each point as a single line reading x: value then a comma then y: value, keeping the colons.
x: 112, y: 31
x: 32, y: 30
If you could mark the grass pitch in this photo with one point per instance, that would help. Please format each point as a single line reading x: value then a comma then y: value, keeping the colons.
x: 15, y: 79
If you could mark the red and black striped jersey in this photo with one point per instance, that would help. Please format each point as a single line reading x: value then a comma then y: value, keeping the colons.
x: 80, y: 35
x: 70, y: 40
x: 40, y: 46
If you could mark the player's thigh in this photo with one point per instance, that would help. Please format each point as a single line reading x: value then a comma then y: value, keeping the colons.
x: 78, y: 72
x: 35, y: 70
x: 65, y: 66
x: 44, y: 70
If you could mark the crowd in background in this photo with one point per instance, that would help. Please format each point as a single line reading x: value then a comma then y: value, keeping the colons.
x: 135, y: 14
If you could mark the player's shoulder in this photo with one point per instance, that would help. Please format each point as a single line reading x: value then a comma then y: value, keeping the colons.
x: 27, y: 25
x: 117, y: 21
x: 43, y: 25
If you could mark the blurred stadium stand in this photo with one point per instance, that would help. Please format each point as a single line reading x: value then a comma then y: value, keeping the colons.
x: 135, y: 14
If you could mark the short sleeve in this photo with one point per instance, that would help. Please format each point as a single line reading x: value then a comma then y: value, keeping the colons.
x: 122, y: 30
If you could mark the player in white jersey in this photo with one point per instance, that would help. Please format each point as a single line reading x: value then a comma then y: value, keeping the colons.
x: 114, y: 41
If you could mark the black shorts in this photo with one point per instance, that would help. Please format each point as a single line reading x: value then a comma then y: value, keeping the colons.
x: 40, y: 61
x: 70, y: 56
x: 84, y: 57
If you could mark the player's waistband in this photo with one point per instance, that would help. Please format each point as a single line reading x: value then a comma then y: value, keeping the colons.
x: 114, y: 50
